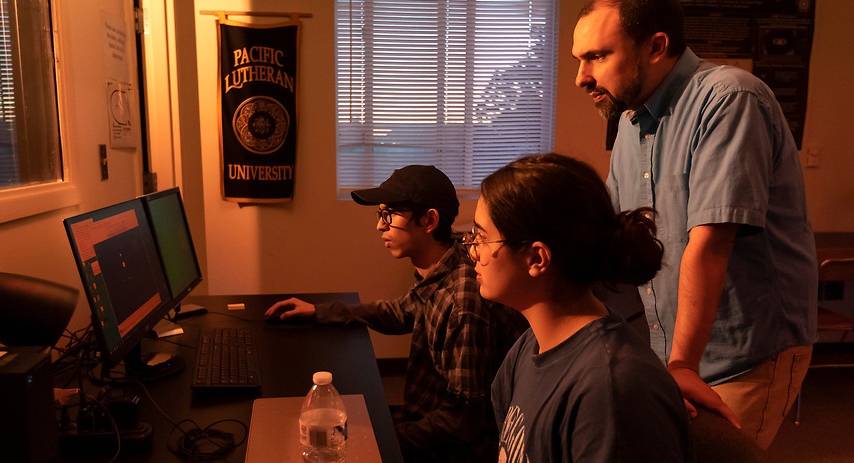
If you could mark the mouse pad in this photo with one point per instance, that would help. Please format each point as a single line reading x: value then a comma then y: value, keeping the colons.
x: 274, y: 431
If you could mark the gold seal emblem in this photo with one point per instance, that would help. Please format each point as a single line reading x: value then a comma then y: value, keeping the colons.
x: 261, y: 124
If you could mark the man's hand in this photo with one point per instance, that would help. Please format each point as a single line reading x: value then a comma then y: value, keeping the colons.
x: 697, y: 393
x: 291, y: 308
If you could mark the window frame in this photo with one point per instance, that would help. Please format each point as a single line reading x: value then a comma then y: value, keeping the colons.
x: 27, y: 200
x: 464, y: 166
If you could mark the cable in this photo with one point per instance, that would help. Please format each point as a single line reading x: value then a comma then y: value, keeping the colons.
x: 197, y: 443
x: 193, y: 444
x: 74, y: 357
x: 112, y: 422
x: 207, y: 443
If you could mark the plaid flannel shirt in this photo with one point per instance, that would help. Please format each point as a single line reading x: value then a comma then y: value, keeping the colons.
x: 458, y: 342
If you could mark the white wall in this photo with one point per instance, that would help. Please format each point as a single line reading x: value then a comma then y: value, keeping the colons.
x: 830, y: 190
x: 37, y: 245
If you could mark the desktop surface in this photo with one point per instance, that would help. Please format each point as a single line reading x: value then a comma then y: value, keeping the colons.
x: 288, y: 355
x: 275, y: 427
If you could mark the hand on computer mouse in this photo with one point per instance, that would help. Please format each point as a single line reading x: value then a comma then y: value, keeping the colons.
x: 288, y: 309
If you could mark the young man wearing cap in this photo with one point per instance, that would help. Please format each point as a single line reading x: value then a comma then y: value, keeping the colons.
x: 458, y: 338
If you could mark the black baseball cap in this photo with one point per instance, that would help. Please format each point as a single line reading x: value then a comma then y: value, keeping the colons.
x: 424, y: 186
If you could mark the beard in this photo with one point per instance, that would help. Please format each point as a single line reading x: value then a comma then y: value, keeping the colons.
x: 611, y: 106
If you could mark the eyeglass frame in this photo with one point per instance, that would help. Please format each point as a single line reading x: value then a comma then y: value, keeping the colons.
x: 385, y: 214
x: 471, y: 245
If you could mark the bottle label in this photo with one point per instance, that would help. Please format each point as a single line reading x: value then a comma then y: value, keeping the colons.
x: 323, y: 428
x: 326, y: 437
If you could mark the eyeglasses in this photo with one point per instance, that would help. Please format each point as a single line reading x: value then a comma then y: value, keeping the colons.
x: 472, y: 240
x: 386, y: 214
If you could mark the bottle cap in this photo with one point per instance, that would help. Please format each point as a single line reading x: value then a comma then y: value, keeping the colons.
x: 322, y: 378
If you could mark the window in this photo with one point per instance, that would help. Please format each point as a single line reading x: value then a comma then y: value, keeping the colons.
x: 29, y: 129
x: 465, y: 85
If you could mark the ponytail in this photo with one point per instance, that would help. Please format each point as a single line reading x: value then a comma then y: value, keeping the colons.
x: 634, y: 254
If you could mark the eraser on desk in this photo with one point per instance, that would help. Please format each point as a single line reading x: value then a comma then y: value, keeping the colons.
x: 236, y: 307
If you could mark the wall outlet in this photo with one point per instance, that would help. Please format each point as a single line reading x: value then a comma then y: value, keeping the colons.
x: 105, y: 171
x: 812, y: 157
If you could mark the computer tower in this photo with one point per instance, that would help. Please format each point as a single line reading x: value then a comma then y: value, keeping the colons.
x: 28, y: 425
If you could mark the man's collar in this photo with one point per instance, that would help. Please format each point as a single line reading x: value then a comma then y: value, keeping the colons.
x: 425, y: 286
x: 675, y: 80
x: 448, y: 261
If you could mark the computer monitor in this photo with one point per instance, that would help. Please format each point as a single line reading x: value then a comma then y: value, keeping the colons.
x: 174, y: 242
x: 123, y: 278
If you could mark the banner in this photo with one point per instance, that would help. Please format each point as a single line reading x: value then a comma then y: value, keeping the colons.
x: 257, y: 93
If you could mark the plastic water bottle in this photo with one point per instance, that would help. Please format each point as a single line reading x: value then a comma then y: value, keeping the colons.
x: 323, y: 422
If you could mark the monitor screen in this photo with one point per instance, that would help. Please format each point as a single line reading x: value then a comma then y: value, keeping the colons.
x: 123, y: 279
x: 174, y: 242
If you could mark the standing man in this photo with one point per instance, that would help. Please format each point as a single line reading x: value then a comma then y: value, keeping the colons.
x: 458, y: 339
x: 732, y: 312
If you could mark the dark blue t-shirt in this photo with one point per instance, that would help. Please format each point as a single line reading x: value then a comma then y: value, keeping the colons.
x: 600, y: 396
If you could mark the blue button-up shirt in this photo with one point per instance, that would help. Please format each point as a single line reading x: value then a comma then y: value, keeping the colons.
x: 712, y: 146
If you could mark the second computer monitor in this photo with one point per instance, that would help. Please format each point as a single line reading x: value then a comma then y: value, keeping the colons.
x: 171, y: 231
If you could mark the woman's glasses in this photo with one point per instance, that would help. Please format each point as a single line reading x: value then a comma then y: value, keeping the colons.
x: 472, y: 242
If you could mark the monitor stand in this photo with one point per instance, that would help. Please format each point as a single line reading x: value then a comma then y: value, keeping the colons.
x: 183, y: 311
x: 137, y: 367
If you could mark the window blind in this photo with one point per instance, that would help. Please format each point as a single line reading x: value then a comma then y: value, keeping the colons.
x: 29, y: 120
x: 8, y: 156
x: 465, y: 85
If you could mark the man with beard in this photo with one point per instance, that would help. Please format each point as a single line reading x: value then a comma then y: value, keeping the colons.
x: 732, y: 313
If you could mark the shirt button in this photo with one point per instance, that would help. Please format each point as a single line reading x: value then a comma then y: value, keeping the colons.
x: 655, y: 326
x: 649, y: 290
x: 646, y: 175
x: 647, y: 136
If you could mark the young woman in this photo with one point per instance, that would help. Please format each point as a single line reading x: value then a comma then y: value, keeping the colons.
x: 580, y: 385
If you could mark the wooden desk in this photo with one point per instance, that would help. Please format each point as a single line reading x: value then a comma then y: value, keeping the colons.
x: 288, y: 356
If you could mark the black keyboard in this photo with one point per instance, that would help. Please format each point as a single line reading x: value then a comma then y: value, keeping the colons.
x: 226, y: 359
